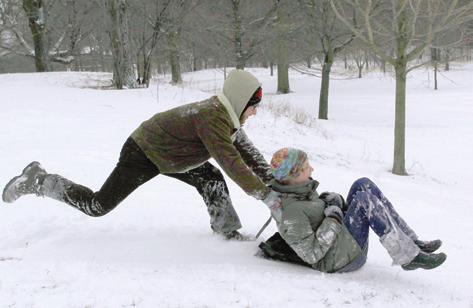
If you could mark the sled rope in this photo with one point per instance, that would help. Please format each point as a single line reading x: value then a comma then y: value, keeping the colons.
x: 263, y: 227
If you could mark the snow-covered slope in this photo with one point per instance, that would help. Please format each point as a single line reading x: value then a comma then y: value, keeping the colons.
x: 157, y: 250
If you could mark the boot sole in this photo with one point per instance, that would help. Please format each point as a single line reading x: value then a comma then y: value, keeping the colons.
x: 422, y: 266
x: 4, y: 193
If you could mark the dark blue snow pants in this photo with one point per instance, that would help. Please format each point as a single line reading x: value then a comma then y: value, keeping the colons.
x: 369, y: 208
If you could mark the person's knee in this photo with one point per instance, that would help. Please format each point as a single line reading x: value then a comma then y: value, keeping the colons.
x: 96, y: 214
x: 363, y: 181
x: 215, y: 174
x: 362, y: 196
x: 97, y: 209
x: 213, y: 180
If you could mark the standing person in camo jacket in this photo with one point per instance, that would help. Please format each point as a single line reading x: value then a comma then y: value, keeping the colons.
x: 177, y: 143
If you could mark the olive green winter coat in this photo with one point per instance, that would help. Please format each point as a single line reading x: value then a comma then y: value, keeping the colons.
x: 320, y: 241
x: 185, y: 137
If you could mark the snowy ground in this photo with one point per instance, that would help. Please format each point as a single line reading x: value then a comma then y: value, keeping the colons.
x: 156, y: 249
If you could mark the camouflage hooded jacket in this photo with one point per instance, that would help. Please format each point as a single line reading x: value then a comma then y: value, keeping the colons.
x: 185, y: 137
x: 320, y: 241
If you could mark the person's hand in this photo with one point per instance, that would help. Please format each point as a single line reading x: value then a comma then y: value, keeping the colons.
x: 273, y: 202
x: 331, y: 198
x: 334, y: 212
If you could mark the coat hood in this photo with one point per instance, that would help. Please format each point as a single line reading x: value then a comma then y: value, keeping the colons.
x: 303, y: 188
x: 238, y: 89
x: 303, y: 191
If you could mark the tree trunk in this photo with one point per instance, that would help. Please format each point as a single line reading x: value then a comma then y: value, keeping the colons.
x: 323, y: 98
x: 123, y: 71
x: 447, y: 60
x: 283, y: 60
x: 174, y: 61
x: 147, y: 60
x: 140, y: 67
x: 399, y: 167
x: 36, y: 13
x: 194, y: 63
x: 101, y: 57
x: 283, y: 78
x: 239, y: 56
x: 435, y: 58
x: 147, y: 72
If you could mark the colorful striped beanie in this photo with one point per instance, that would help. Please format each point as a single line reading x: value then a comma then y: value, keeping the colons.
x: 287, y: 163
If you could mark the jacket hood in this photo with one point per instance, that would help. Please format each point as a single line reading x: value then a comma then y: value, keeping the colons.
x: 307, y: 188
x: 238, y: 89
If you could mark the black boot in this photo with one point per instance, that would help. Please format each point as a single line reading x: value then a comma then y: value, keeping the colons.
x: 28, y: 182
x: 428, y: 246
x: 425, y: 261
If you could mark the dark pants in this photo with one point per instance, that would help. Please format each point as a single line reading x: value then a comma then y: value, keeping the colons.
x: 134, y: 169
x: 369, y: 208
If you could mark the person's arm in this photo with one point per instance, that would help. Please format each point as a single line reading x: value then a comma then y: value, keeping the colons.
x: 252, y: 156
x: 311, y: 246
x: 214, y: 132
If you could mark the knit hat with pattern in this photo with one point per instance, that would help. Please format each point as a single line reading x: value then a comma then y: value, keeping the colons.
x: 287, y: 163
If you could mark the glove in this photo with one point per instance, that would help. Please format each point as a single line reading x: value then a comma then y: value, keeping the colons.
x: 273, y: 202
x: 334, y: 212
x: 331, y: 198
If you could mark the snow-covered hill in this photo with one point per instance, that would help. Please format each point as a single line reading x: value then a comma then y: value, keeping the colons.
x: 157, y: 250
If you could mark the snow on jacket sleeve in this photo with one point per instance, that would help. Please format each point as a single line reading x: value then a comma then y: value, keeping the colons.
x: 311, y: 246
x: 252, y: 156
x: 214, y: 132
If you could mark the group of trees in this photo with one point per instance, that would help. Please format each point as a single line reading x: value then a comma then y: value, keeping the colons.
x: 136, y: 38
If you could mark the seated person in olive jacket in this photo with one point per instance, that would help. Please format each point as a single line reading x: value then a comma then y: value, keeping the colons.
x: 177, y: 143
x: 329, y: 235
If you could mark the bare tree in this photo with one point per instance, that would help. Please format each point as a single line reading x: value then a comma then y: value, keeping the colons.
x: 173, y: 27
x: 240, y: 26
x: 331, y: 38
x: 282, y: 47
x: 55, y: 27
x: 36, y: 13
x: 287, y: 22
x: 442, y: 46
x: 123, y: 70
x: 359, y: 55
x: 148, y: 19
x: 5, y: 35
x: 407, y: 27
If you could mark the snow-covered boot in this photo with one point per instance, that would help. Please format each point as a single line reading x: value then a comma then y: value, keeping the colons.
x: 425, y: 261
x: 237, y: 236
x: 80, y: 197
x: 428, y: 246
x: 28, y: 182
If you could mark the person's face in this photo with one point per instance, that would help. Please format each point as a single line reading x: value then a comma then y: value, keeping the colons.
x: 250, y: 111
x: 305, y: 174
